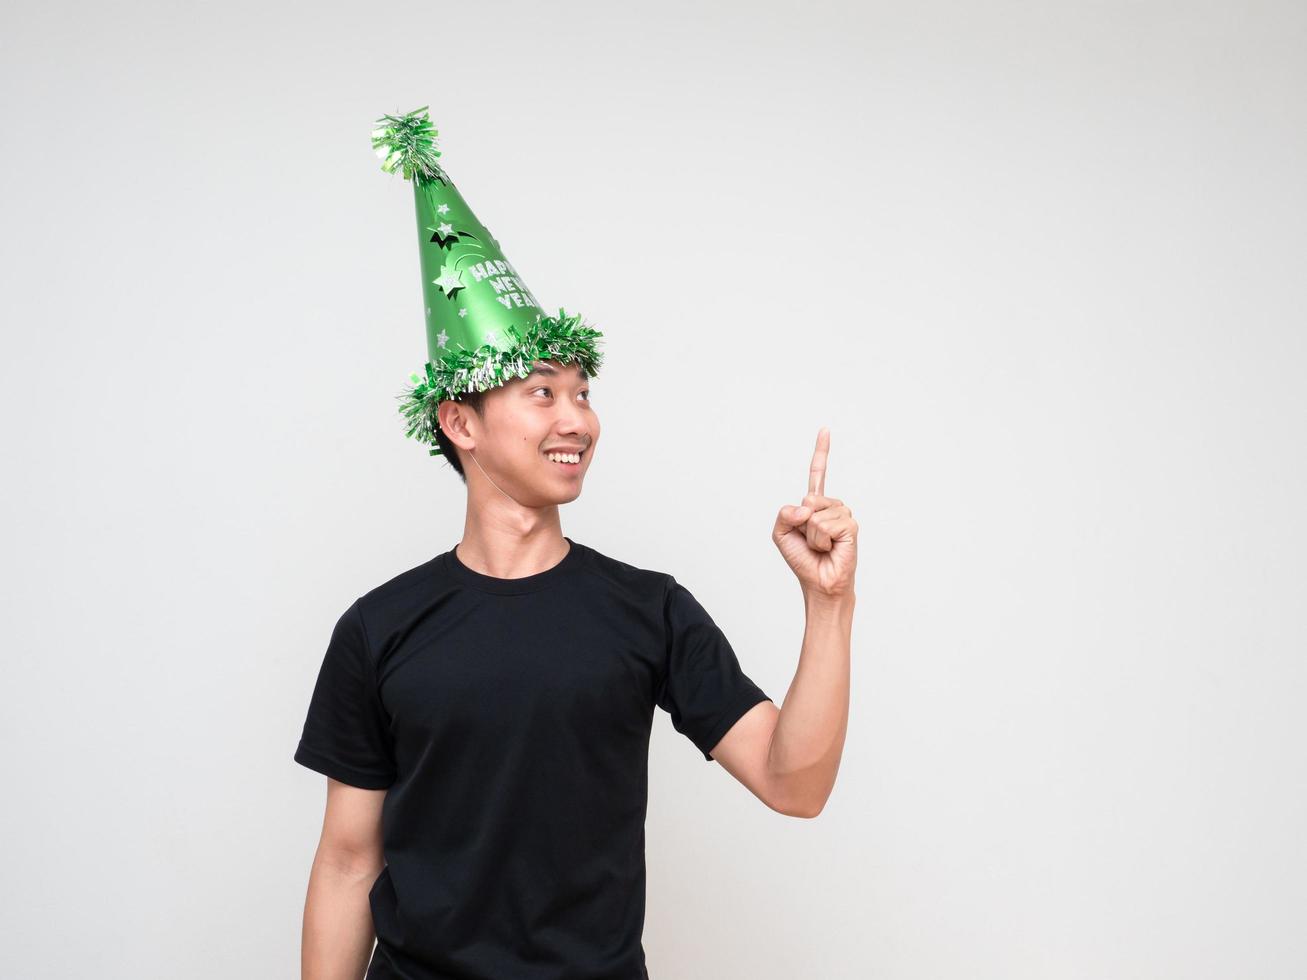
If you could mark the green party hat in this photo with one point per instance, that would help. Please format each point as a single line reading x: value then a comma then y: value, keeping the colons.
x: 484, y: 327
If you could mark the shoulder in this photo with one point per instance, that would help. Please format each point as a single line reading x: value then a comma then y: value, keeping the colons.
x: 399, y: 593
x: 625, y: 577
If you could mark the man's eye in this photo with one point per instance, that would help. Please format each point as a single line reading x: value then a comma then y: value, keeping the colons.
x: 538, y: 389
x: 586, y: 392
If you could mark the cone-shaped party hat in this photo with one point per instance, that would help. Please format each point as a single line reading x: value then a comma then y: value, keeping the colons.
x: 484, y: 327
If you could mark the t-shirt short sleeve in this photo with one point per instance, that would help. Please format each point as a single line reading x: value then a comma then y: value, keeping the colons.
x: 346, y: 735
x: 703, y: 687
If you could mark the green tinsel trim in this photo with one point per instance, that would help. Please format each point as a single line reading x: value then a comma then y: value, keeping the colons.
x: 408, y: 143
x: 548, y: 338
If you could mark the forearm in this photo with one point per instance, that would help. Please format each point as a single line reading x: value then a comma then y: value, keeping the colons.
x: 338, y: 931
x: 808, y: 740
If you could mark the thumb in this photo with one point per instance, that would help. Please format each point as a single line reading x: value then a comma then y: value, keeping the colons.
x: 789, y: 518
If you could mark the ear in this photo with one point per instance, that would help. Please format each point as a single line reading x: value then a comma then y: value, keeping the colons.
x: 458, y: 422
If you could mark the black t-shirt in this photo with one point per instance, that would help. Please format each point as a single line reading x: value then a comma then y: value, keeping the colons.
x: 510, y: 721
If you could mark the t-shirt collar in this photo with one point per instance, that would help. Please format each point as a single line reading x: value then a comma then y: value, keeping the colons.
x: 511, y: 586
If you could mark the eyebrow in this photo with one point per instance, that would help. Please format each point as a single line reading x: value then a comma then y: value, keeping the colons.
x: 551, y: 371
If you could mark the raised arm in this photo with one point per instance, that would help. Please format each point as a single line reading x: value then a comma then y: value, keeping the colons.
x: 789, y: 756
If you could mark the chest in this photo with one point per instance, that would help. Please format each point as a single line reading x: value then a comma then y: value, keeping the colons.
x: 522, y: 671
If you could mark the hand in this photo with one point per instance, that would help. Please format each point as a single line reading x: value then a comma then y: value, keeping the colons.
x: 819, y: 538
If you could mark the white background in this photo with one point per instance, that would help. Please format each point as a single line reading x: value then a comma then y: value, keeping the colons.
x: 1040, y: 267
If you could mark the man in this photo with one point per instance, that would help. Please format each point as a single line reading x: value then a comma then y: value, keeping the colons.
x: 484, y: 718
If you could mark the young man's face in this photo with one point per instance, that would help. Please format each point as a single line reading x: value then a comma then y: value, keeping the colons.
x: 533, y: 428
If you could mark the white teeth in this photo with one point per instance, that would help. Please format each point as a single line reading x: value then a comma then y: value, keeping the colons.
x: 565, y: 457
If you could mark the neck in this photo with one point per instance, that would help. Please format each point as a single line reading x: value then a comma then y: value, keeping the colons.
x: 503, y: 537
x: 510, y: 551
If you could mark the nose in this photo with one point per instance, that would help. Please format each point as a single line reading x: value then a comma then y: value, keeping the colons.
x: 573, y: 421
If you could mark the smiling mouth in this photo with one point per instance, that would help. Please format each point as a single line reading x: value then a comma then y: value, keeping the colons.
x: 565, y: 462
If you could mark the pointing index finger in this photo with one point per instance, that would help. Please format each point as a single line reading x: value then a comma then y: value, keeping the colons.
x: 817, y: 472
